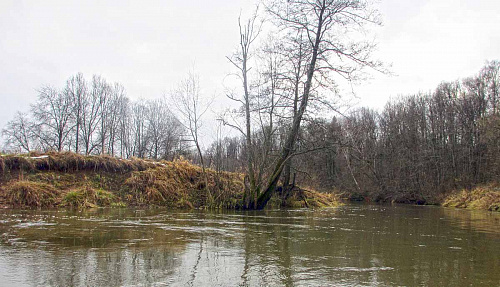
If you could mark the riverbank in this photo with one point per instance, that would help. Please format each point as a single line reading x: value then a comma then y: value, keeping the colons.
x: 484, y: 197
x: 57, y: 180
x: 480, y: 197
x: 71, y: 180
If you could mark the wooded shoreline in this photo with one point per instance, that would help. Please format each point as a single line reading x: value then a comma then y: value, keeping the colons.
x: 69, y: 180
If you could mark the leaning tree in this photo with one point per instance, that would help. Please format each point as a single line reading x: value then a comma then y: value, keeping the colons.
x: 330, y: 35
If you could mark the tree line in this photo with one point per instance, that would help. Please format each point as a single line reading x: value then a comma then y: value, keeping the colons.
x: 96, y: 117
x: 284, y: 77
x: 414, y: 150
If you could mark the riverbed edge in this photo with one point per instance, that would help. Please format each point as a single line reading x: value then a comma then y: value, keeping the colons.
x: 70, y: 180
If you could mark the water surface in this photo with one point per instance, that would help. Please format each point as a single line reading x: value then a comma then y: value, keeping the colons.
x: 353, y: 245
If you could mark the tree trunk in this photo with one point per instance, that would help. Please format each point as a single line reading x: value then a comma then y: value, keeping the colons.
x: 294, y: 131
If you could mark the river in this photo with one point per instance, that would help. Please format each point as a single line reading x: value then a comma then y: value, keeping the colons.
x: 352, y: 245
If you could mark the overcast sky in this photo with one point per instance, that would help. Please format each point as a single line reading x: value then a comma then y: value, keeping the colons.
x: 149, y: 46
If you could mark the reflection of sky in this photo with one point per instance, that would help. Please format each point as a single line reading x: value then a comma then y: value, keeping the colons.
x: 362, y: 245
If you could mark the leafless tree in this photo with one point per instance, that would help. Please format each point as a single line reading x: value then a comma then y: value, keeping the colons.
x: 76, y: 90
x: 19, y: 133
x: 116, y: 102
x: 53, y: 112
x: 321, y: 21
x: 164, y: 130
x: 139, y: 140
x: 248, y: 32
x: 191, y: 108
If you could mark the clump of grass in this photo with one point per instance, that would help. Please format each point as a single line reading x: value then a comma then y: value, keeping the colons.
x: 486, y: 197
x: 154, y: 186
x: 88, y: 197
x: 303, y: 198
x: 14, y: 162
x: 182, y: 184
x: 32, y: 194
x: 119, y: 204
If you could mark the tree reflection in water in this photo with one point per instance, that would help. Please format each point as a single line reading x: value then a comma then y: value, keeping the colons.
x: 352, y: 245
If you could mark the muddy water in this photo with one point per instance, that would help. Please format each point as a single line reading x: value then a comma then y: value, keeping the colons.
x: 353, y: 245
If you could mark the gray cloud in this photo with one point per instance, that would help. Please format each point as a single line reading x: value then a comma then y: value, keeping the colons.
x: 149, y: 46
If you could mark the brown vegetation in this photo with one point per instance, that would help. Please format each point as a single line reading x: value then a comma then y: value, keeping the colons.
x: 70, y: 162
x: 304, y: 198
x: 486, y: 197
x: 87, y: 196
x: 181, y: 184
x: 77, y: 181
x: 32, y: 194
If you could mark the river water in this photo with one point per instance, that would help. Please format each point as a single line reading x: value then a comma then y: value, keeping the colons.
x: 352, y: 245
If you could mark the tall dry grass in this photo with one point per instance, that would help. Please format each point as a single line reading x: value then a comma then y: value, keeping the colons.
x: 32, y: 194
x: 485, y: 197
x: 71, y: 162
x: 87, y: 197
x: 73, y: 180
x: 181, y: 184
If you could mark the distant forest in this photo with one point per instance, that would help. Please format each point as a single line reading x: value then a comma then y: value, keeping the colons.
x: 416, y: 148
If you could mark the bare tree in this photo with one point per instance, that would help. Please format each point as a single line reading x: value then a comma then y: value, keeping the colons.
x: 91, y: 111
x: 191, y: 107
x: 76, y: 90
x: 19, y: 133
x: 104, y: 94
x: 321, y: 21
x: 115, y: 103
x: 248, y: 32
x: 164, y: 129
x: 53, y: 112
x: 139, y: 129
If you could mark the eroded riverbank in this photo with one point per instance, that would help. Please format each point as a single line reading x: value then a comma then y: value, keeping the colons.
x: 72, y: 180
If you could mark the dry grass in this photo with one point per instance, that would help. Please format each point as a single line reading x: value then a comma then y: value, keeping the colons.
x: 32, y: 194
x: 72, y: 180
x: 86, y: 197
x: 304, y: 198
x: 71, y: 162
x: 181, y: 184
x: 78, y: 180
x: 2, y: 164
x: 486, y: 197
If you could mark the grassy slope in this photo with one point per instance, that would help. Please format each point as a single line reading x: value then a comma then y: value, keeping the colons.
x: 68, y: 179
x: 485, y: 197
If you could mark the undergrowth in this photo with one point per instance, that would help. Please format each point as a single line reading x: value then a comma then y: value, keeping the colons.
x: 485, y: 197
x: 86, y: 197
x: 32, y: 194
x: 303, y: 198
x: 77, y: 181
